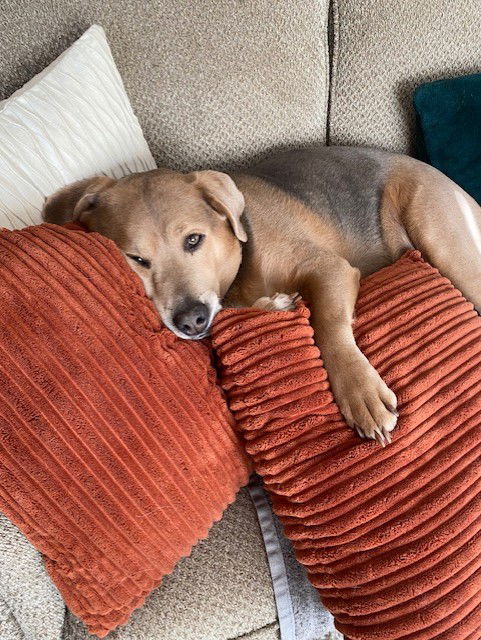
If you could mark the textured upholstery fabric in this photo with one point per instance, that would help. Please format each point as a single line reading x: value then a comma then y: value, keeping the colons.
x: 383, y: 50
x: 211, y: 82
x: 221, y: 591
x: 30, y: 605
x: 72, y: 121
x: 389, y: 536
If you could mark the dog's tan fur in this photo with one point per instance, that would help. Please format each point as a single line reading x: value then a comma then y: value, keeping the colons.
x: 290, y: 249
x: 149, y: 215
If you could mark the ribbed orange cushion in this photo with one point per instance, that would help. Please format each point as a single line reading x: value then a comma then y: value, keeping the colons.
x: 117, y: 452
x: 390, y: 537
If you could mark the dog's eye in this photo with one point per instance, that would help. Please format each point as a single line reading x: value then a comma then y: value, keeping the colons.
x: 193, y: 241
x: 141, y: 261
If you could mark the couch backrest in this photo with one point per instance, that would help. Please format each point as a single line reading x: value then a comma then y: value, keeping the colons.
x: 214, y: 83
x: 382, y: 50
x: 220, y: 82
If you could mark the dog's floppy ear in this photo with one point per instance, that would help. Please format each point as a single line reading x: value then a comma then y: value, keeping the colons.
x: 221, y: 192
x: 75, y: 201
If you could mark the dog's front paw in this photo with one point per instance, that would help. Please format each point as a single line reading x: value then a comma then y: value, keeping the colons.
x: 277, y: 302
x: 366, y: 402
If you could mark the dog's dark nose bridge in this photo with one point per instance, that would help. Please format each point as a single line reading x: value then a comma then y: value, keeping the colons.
x: 191, y: 318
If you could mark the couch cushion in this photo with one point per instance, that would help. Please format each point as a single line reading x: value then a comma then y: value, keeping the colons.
x: 211, y: 82
x: 385, y: 49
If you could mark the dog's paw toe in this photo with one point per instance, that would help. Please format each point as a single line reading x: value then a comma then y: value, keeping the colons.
x: 372, y: 419
x: 277, y: 302
x: 368, y: 407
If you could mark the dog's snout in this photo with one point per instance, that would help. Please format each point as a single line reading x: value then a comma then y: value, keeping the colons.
x: 192, y: 321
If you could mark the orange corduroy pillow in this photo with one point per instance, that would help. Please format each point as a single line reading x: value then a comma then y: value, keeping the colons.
x: 390, y: 537
x: 117, y: 452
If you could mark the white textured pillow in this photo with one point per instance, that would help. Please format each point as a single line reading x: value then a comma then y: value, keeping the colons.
x: 69, y: 122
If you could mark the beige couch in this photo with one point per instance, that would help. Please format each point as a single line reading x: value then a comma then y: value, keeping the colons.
x: 216, y: 83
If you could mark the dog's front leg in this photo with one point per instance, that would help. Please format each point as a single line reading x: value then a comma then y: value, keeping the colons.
x: 331, y: 286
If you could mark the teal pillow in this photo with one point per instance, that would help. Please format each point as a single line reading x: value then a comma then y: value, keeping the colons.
x: 449, y: 118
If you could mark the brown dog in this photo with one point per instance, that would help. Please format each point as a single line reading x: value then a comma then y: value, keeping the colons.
x: 310, y: 221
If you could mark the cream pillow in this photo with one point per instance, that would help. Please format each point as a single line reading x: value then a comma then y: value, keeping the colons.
x: 71, y: 121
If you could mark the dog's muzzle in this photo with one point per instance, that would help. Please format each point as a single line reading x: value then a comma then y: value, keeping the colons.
x: 192, y: 319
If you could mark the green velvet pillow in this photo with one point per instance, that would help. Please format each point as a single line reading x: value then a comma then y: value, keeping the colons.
x: 449, y: 117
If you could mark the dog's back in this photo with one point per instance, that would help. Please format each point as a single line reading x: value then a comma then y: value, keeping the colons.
x: 344, y: 184
x: 347, y: 182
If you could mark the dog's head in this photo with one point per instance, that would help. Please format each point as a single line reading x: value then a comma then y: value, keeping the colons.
x: 180, y: 233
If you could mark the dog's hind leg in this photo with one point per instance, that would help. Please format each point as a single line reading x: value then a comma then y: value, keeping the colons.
x: 444, y: 223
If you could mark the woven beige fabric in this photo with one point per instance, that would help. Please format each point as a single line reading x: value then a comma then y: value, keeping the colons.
x: 383, y: 49
x: 31, y: 608
x: 223, y: 590
x: 213, y: 83
x: 9, y: 627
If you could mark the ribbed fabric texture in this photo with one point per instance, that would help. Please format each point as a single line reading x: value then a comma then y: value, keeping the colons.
x: 390, y: 537
x: 117, y: 452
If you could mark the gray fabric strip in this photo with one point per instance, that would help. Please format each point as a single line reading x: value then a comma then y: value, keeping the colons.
x: 302, y: 616
x: 275, y: 558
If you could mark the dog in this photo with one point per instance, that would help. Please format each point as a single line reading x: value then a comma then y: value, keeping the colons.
x: 310, y: 221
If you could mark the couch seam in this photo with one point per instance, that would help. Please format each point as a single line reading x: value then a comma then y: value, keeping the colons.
x: 327, y: 72
x: 248, y: 633
x: 334, y: 24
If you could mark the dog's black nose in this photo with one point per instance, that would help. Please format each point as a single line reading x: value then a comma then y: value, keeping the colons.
x: 192, y: 320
